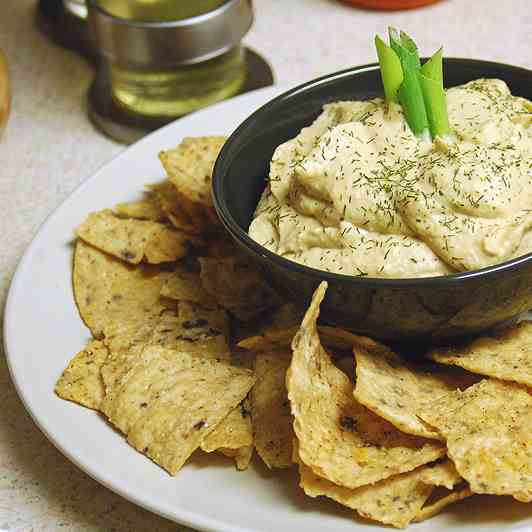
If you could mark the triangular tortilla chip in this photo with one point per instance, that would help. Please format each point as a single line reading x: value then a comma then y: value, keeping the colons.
x: 488, y: 433
x: 174, y: 400
x: 339, y: 439
x: 133, y: 240
x: 81, y: 381
x: 396, y: 389
x: 191, y: 329
x: 189, y: 167
x: 110, y: 293
x: 396, y: 501
x: 506, y: 355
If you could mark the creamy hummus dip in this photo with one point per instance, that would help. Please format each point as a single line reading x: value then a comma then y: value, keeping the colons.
x: 358, y: 193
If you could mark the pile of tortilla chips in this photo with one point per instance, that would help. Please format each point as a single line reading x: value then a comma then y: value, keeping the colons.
x: 193, y: 351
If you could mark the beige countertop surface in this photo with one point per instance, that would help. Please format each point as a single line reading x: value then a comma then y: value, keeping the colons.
x: 50, y: 147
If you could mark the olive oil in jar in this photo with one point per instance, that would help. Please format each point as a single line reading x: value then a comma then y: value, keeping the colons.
x: 158, y: 10
x: 173, y: 91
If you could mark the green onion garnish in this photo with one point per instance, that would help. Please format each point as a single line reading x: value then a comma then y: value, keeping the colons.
x: 431, y: 81
x: 410, y: 94
x: 391, y: 71
x: 418, y: 88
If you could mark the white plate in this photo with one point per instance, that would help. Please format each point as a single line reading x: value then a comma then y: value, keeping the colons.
x: 43, y: 331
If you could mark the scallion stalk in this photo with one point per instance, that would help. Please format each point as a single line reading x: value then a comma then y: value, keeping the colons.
x: 391, y: 71
x: 410, y: 93
x: 431, y: 81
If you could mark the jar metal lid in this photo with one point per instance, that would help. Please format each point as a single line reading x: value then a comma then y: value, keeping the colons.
x: 169, y: 43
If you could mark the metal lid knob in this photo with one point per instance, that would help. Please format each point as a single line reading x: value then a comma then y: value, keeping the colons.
x: 163, y: 44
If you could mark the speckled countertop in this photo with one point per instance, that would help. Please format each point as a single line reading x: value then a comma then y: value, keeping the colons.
x: 50, y: 147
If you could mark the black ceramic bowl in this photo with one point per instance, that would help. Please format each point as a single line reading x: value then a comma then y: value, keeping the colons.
x: 393, y: 309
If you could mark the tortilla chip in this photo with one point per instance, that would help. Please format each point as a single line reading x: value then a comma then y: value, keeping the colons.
x: 395, y: 389
x: 242, y: 456
x: 396, y: 501
x: 339, y: 439
x: 487, y: 429
x: 506, y: 355
x: 237, y: 286
x: 270, y: 409
x: 109, y: 293
x: 191, y: 329
x: 169, y: 203
x: 145, y: 209
x: 189, y: 167
x: 182, y: 284
x: 441, y: 498
x: 233, y: 432
x: 172, y: 401
x: 81, y: 381
x: 132, y: 240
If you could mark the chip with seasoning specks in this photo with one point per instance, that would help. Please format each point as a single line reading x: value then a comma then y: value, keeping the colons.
x: 133, y: 240
x: 396, y: 389
x: 166, y: 406
x: 110, y: 293
x: 189, y: 167
x: 395, y: 501
x: 191, y: 329
x: 506, y: 355
x: 270, y: 409
x: 81, y: 381
x: 487, y: 429
x: 340, y: 439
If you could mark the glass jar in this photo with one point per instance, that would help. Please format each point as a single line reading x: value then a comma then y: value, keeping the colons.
x: 167, y: 58
x: 178, y: 91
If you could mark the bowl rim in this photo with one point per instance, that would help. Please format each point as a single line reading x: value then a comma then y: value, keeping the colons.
x: 242, y: 236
